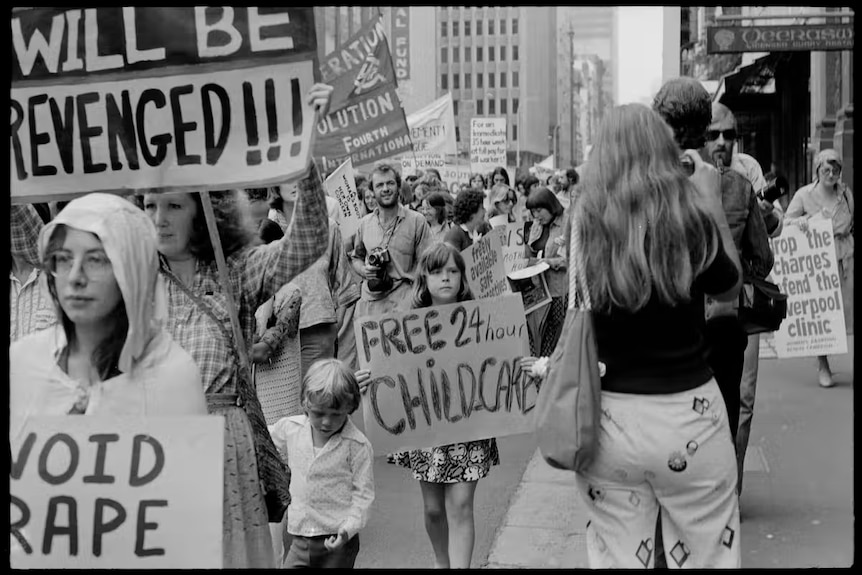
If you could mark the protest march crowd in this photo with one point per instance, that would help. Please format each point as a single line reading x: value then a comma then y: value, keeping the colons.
x: 133, y: 305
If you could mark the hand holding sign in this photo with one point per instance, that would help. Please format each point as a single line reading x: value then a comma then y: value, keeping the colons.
x: 319, y: 97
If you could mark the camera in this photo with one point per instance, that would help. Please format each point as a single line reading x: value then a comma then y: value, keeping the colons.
x: 380, y: 258
x: 771, y: 192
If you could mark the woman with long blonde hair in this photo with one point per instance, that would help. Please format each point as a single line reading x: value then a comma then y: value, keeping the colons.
x: 651, y: 249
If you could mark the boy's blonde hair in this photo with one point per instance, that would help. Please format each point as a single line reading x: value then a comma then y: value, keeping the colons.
x: 328, y: 383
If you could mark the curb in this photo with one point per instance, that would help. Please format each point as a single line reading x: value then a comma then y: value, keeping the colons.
x: 545, y: 524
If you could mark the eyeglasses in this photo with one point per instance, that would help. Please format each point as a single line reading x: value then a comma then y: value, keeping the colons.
x: 96, y: 266
x: 830, y: 170
x: 713, y: 135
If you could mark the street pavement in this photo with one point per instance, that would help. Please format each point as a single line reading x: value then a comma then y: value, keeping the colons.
x: 797, y: 504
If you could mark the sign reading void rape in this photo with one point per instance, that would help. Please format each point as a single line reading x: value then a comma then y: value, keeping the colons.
x: 341, y: 185
x: 805, y: 269
x: 487, y: 144
x: 486, y: 274
x: 446, y: 374
x: 122, y: 97
x: 117, y: 492
x: 366, y: 122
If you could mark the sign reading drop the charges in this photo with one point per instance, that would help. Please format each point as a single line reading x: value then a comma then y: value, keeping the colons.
x: 115, y: 492
x: 120, y: 98
x: 805, y: 269
x: 446, y: 374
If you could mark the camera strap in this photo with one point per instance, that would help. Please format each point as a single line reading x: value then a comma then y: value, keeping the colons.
x: 390, y: 231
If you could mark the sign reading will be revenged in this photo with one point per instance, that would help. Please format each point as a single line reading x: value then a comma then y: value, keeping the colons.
x: 796, y: 37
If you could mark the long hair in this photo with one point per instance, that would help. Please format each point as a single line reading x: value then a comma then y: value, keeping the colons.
x: 641, y: 230
x: 437, y: 200
x: 106, y: 356
x: 545, y: 198
x: 431, y: 260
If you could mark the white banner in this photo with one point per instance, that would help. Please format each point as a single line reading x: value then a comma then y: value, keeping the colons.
x: 806, y: 270
x: 341, y: 185
x: 432, y: 129
x: 487, y: 144
x: 117, y: 492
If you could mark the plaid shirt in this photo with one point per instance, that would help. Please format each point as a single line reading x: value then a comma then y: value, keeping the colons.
x: 30, y: 305
x: 255, y: 275
x: 24, y: 227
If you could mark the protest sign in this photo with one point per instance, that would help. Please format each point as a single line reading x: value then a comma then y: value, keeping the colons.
x: 455, y: 173
x: 118, y: 98
x: 487, y: 144
x: 341, y: 185
x: 117, y: 492
x: 531, y: 284
x: 412, y: 163
x: 366, y: 122
x: 512, y: 241
x: 432, y: 129
x: 445, y: 374
x: 806, y: 270
x: 485, y: 272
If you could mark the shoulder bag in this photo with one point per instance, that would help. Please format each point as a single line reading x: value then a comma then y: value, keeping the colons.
x: 568, y: 407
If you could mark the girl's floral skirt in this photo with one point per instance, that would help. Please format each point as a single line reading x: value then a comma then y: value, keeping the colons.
x: 452, y: 463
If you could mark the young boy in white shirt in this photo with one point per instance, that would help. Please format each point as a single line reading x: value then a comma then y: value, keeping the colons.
x: 332, y: 480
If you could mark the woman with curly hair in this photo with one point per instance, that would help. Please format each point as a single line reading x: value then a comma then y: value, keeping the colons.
x: 469, y: 219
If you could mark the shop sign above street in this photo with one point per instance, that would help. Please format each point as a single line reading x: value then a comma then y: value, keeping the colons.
x: 779, y: 38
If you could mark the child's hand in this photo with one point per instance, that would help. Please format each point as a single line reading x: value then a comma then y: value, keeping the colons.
x: 261, y: 352
x: 334, y: 542
x: 363, y: 378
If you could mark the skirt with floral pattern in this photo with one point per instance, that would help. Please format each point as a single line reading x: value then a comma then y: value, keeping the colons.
x: 452, y: 463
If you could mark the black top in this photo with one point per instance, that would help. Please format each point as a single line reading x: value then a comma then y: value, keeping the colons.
x: 659, y: 348
x: 458, y: 238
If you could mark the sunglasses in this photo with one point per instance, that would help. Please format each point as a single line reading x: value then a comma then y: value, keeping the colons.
x: 712, y: 135
x: 830, y: 170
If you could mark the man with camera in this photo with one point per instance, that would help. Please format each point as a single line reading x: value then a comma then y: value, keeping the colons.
x: 387, y: 246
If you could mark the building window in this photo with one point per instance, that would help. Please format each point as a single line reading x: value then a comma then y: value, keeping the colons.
x: 490, y: 27
x: 478, y: 27
x: 478, y: 53
x: 480, y: 107
x: 467, y: 53
x: 456, y: 54
x: 444, y: 55
x: 515, y: 103
x: 468, y: 81
x: 514, y: 133
x: 490, y: 79
x: 492, y: 108
x: 444, y: 81
x: 515, y: 51
x: 467, y: 28
x: 514, y: 26
x: 456, y: 82
x: 444, y: 29
x: 455, y: 28
x: 502, y: 53
x: 502, y: 79
x: 502, y: 27
x: 503, y: 106
x: 455, y: 107
x: 457, y: 134
x: 515, y: 80
x: 480, y: 77
x: 490, y: 53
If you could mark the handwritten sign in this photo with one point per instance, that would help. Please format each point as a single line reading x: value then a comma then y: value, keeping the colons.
x: 412, y: 163
x: 446, y: 374
x: 486, y: 274
x: 341, y: 185
x: 432, y: 129
x: 117, y: 492
x: 456, y: 174
x: 512, y: 241
x: 806, y: 270
x: 115, y: 98
x: 487, y: 144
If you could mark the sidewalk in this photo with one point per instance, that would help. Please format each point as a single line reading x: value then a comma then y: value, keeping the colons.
x: 545, y: 525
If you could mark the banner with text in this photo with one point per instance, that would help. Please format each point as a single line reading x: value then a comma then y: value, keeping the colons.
x: 446, y: 374
x: 432, y: 129
x: 401, y: 41
x: 366, y: 122
x: 120, y: 98
x: 806, y: 270
x: 341, y: 185
x: 487, y: 144
x: 456, y: 174
x: 117, y: 493
x: 486, y: 274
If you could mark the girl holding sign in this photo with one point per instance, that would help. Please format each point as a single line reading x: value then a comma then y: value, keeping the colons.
x: 447, y: 474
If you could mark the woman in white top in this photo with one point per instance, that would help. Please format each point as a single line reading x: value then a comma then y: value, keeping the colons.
x: 109, y: 353
x: 827, y: 198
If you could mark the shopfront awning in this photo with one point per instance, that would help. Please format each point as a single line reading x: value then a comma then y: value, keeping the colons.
x: 755, y: 78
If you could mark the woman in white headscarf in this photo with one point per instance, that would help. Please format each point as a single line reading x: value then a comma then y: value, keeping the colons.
x: 108, y: 354
x: 827, y: 198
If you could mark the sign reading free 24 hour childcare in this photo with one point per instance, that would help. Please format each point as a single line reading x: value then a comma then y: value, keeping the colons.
x: 446, y: 374
x: 115, y: 98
